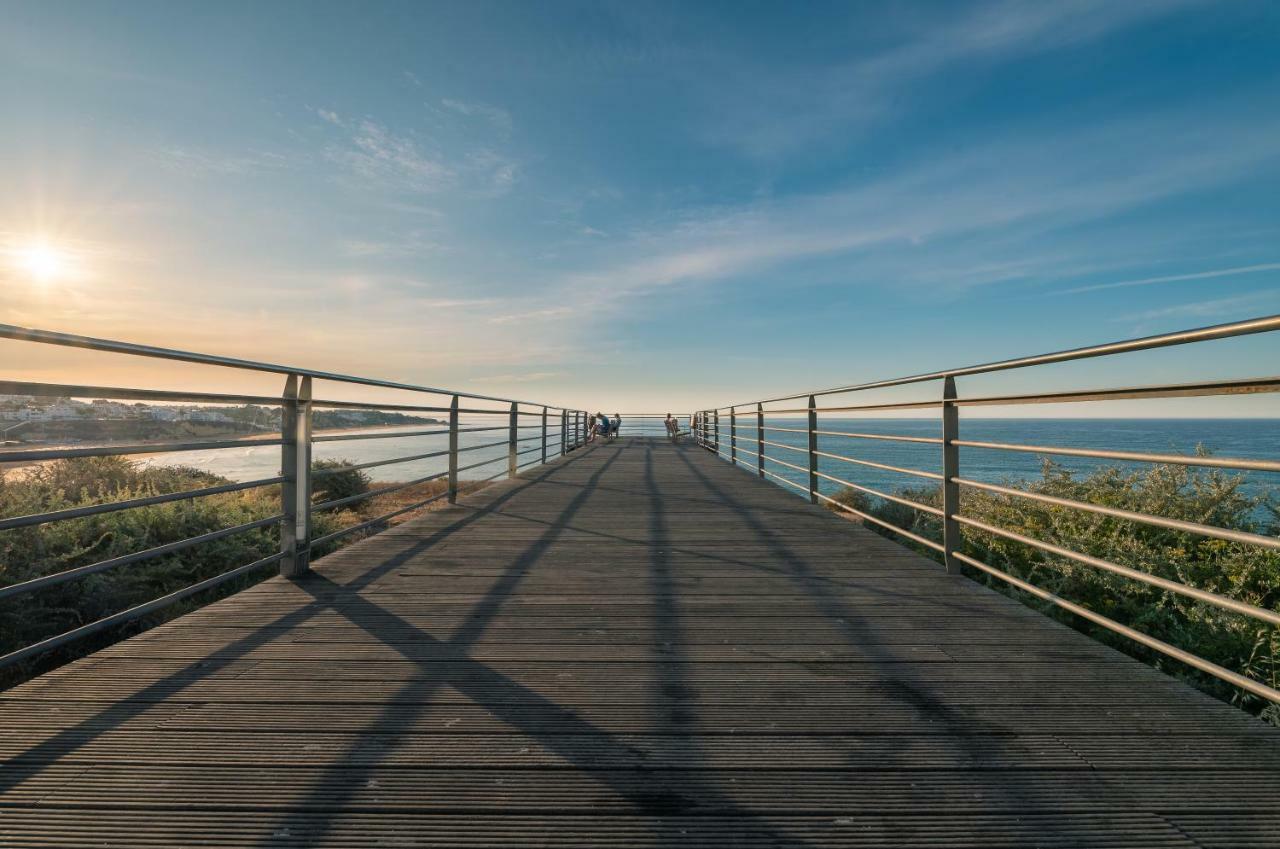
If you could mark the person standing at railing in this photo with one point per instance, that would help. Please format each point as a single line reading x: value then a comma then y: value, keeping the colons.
x: 673, y: 428
x: 615, y: 425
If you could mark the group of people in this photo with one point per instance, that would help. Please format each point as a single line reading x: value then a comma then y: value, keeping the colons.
x: 603, y: 427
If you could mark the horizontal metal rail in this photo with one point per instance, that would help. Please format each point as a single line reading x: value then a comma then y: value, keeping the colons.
x: 1131, y: 516
x: 131, y: 503
x: 379, y: 406
x: 782, y: 445
x: 436, y: 432
x: 71, y: 340
x: 897, y: 499
x: 502, y: 459
x: 1136, y: 456
x: 125, y: 559
x: 482, y: 445
x: 352, y: 467
x: 931, y: 440
x: 1145, y: 343
x: 365, y: 525
x: 781, y: 479
x: 888, y: 468
x: 119, y: 393
x: 875, y: 520
x: 1176, y: 390
x: 43, y: 455
x: 1133, y: 574
x: 1235, y: 679
x: 897, y: 405
x: 374, y: 493
x: 134, y: 613
x: 785, y: 463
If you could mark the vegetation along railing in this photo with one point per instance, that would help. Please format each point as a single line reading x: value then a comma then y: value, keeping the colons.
x: 956, y: 517
x: 530, y: 432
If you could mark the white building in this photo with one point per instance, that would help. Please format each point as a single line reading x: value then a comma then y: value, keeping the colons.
x: 65, y: 408
x: 112, y: 410
x: 207, y: 416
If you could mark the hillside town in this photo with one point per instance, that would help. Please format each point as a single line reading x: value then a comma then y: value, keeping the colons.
x: 31, y: 408
x: 44, y: 412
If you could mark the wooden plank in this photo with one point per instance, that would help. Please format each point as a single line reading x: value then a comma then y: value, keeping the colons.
x: 637, y: 645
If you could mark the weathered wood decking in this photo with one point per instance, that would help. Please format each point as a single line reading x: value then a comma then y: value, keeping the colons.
x: 635, y: 646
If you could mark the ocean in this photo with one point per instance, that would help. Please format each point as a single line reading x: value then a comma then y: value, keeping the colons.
x: 1241, y: 438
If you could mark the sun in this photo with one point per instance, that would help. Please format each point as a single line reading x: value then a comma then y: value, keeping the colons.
x: 41, y: 261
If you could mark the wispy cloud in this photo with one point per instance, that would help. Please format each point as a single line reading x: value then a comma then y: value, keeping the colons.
x: 494, y: 115
x: 1210, y: 308
x: 535, y: 314
x: 788, y: 109
x: 388, y: 159
x: 519, y: 377
x: 956, y: 221
x: 402, y: 162
x: 415, y: 244
x: 1173, y: 278
x: 193, y: 161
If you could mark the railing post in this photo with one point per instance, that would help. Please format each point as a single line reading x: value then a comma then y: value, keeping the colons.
x: 544, y: 434
x: 733, y: 435
x: 716, y: 419
x: 295, y: 468
x: 564, y: 432
x: 453, y: 450
x: 950, y: 471
x: 760, y: 439
x: 813, y: 450
x: 512, y: 431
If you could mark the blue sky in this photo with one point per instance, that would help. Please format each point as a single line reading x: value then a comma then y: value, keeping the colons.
x: 635, y: 204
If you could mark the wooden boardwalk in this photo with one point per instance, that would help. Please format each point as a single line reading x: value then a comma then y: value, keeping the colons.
x: 634, y: 646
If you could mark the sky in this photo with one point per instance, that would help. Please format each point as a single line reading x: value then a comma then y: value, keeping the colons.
x: 642, y: 206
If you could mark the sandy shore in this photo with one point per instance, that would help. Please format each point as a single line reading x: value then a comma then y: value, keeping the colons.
x: 239, y: 437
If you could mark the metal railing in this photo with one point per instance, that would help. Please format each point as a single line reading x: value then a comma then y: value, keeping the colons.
x: 532, y: 434
x: 738, y: 434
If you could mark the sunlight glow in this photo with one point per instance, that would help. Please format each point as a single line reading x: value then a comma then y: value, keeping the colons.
x: 41, y: 260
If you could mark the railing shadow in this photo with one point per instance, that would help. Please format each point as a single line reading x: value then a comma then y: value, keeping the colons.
x: 74, y: 737
x: 587, y: 747
x: 908, y: 690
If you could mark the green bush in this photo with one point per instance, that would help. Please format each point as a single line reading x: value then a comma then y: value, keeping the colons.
x: 1206, y: 496
x: 340, y: 480
x: 38, y: 550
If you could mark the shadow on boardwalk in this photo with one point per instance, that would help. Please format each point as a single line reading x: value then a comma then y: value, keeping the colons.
x: 637, y: 645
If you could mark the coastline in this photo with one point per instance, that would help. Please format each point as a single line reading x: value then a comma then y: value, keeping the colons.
x: 6, y: 467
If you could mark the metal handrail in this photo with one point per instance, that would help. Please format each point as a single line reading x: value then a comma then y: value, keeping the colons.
x: 72, y: 340
x: 1136, y: 456
x: 1144, y: 343
x: 561, y: 430
x: 746, y: 418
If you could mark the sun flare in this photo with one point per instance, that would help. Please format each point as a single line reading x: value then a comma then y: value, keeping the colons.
x: 41, y: 261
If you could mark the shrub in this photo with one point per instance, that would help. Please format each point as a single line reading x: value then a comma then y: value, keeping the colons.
x: 34, y: 551
x: 340, y: 481
x: 1206, y: 496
